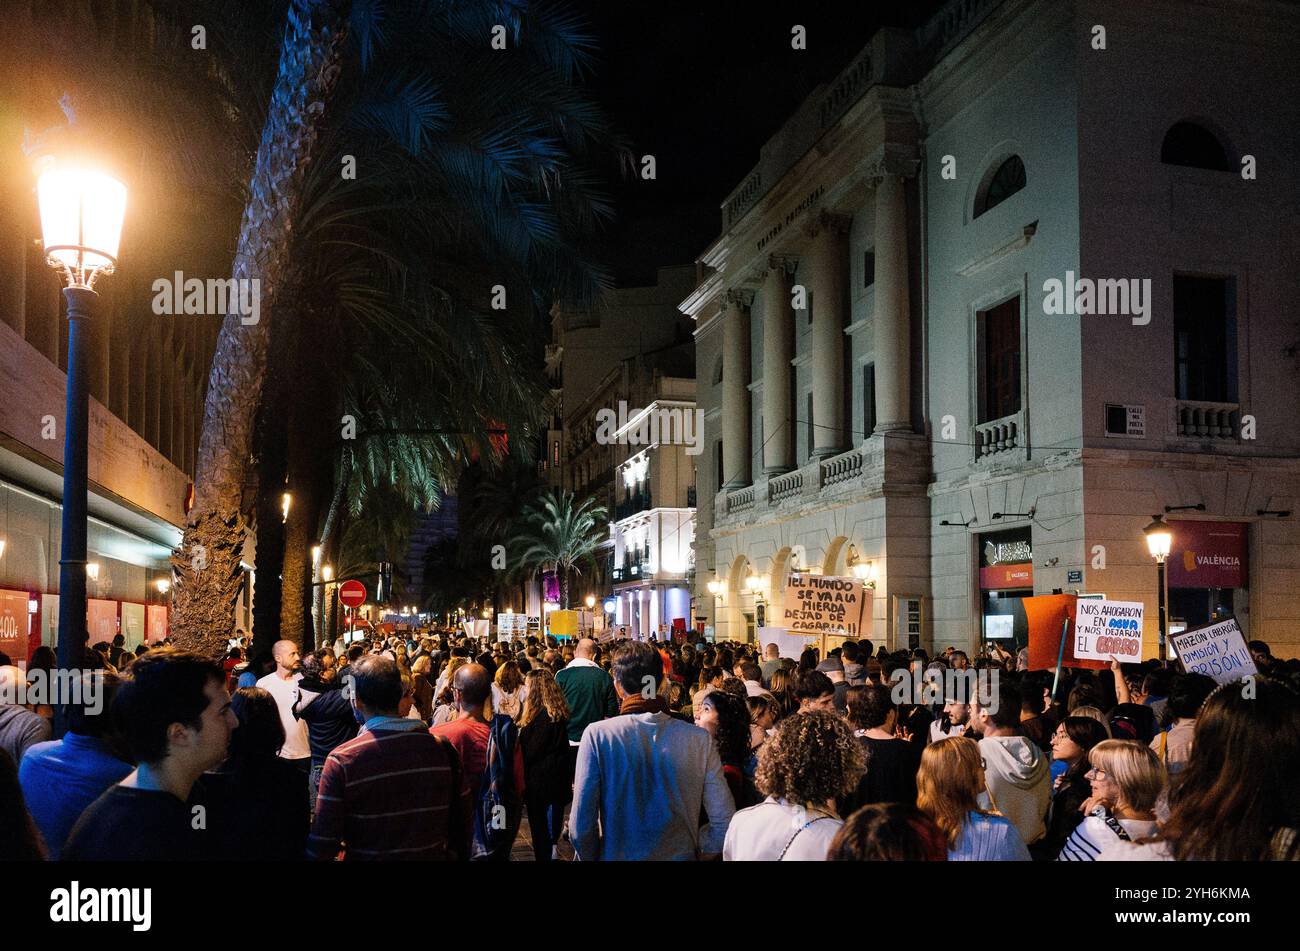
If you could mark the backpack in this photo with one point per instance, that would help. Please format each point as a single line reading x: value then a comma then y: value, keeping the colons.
x: 496, y: 811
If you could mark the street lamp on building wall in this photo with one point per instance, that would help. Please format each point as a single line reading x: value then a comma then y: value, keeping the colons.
x: 81, y: 228
x: 1159, y: 540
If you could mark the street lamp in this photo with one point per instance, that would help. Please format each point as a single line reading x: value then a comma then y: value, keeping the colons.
x: 1159, y: 540
x: 591, y: 600
x: 862, y: 569
x: 286, y: 500
x: 81, y: 228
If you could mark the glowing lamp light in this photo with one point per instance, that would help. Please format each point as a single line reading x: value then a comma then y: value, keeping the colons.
x: 591, y: 600
x: 92, y: 570
x: 286, y: 500
x: 327, y: 572
x: 715, y: 587
x: 2, y: 547
x: 610, y: 605
x: 754, y: 582
x: 81, y: 221
x: 1159, y: 538
x: 163, y: 585
x: 315, y: 554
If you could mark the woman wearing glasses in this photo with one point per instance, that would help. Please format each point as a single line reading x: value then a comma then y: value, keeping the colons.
x: 1071, y: 743
x: 948, y: 788
x: 1126, y: 779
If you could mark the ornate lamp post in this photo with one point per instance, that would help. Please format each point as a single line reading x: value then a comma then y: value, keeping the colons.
x: 1159, y: 539
x: 81, y: 227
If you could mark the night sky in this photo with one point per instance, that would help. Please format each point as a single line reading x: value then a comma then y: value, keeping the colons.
x: 702, y: 85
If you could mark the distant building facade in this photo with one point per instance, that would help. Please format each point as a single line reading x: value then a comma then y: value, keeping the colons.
x: 994, y: 297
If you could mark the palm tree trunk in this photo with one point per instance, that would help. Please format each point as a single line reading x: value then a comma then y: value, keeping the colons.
x: 326, y: 535
x: 207, y: 562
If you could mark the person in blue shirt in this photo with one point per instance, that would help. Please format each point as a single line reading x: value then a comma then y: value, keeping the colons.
x: 60, y: 778
x: 948, y: 786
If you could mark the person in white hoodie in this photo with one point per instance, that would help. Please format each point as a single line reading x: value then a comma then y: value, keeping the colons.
x: 1017, y: 774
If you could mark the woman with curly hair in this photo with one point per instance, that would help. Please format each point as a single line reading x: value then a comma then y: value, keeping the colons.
x: 811, y: 760
x: 948, y: 788
x: 726, y: 718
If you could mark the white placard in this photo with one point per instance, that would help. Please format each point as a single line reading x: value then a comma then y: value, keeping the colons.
x: 790, y: 644
x: 1216, y: 650
x: 1106, y: 629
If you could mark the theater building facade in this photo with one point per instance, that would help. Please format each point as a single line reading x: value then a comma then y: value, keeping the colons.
x: 991, y: 299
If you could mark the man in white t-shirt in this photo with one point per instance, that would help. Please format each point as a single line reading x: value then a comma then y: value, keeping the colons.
x: 282, y: 684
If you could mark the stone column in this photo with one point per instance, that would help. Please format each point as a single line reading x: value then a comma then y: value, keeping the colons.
x: 152, y: 382
x: 119, y: 369
x: 893, y: 323
x: 14, y: 208
x: 736, y: 453
x: 98, y: 354
x: 166, y: 390
x: 778, y: 350
x: 827, y: 267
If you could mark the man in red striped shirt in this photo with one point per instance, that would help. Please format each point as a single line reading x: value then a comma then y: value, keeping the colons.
x: 393, y: 792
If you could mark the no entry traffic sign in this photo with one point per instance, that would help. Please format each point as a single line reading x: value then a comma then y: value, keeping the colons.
x: 352, y: 593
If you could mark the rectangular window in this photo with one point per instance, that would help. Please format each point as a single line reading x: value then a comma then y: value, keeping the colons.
x: 868, y: 268
x: 868, y: 399
x: 717, y: 466
x: 999, y: 356
x: 810, y: 425
x: 1205, y: 338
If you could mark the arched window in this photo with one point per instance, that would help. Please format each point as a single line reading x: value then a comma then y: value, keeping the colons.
x: 717, y: 372
x: 1008, y: 179
x: 1193, y: 146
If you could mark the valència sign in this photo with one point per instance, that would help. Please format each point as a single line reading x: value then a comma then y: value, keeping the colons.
x: 817, y: 604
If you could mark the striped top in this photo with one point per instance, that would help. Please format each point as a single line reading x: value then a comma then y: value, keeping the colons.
x: 388, y: 794
x: 1092, y: 835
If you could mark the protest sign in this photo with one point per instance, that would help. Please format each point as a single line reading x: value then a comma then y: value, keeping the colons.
x: 789, y: 643
x: 563, y: 623
x: 817, y: 604
x: 1217, y: 650
x: 1106, y: 629
x: 1046, y: 614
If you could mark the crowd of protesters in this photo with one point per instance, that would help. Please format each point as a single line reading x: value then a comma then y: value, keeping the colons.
x: 438, y: 746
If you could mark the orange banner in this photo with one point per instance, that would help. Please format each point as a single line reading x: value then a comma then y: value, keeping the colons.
x: 1047, y: 614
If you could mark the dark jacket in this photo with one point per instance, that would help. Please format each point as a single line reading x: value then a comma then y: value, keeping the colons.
x: 1063, y: 814
x: 548, y: 766
x: 328, y: 714
x: 258, y: 810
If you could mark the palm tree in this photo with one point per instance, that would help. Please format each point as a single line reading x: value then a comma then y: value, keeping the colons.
x: 561, y: 534
x: 488, y: 190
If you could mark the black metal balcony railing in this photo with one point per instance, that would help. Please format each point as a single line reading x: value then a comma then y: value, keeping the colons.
x: 639, y: 502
